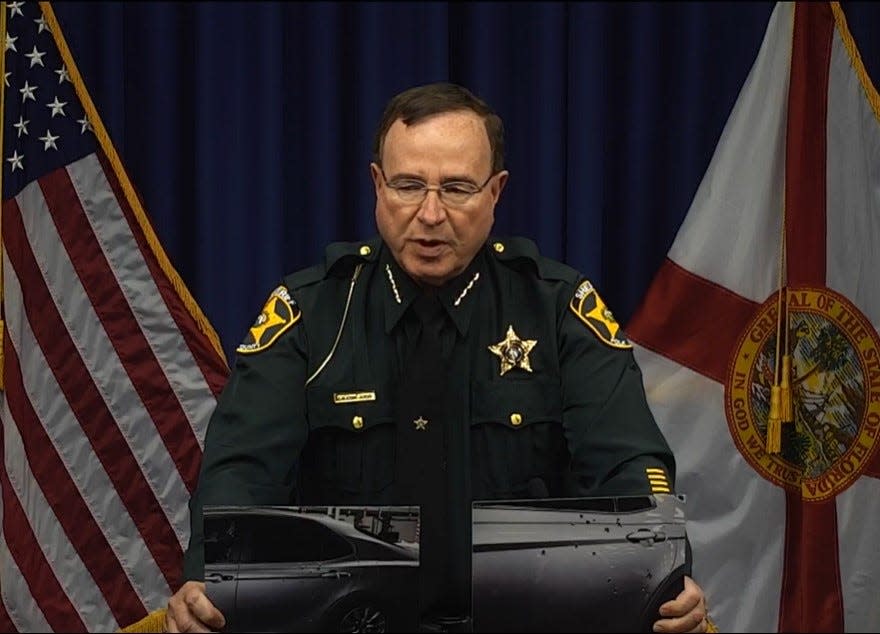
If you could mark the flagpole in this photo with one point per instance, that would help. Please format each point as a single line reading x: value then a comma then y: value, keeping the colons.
x: 781, y: 408
x: 775, y: 417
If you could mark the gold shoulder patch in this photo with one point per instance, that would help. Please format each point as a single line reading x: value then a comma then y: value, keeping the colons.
x: 591, y: 310
x: 279, y: 314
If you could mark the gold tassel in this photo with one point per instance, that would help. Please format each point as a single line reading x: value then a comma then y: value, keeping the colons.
x: 774, y: 422
x: 786, y: 405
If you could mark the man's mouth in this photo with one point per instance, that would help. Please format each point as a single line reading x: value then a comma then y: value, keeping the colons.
x: 429, y: 248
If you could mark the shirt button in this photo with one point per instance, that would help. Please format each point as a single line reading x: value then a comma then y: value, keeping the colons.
x: 515, y: 419
x: 365, y: 250
x: 499, y: 247
x: 357, y: 422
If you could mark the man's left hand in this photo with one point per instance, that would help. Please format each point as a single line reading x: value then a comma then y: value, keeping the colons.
x: 685, y: 613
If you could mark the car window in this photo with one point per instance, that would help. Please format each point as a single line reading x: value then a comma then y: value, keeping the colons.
x: 219, y: 540
x: 383, y: 552
x: 276, y: 539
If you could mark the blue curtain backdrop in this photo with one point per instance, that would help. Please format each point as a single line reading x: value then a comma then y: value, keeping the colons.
x: 247, y: 127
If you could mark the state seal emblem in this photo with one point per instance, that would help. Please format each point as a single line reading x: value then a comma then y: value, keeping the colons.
x: 835, y: 385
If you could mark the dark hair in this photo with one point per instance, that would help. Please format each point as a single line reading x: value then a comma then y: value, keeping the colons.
x: 419, y: 103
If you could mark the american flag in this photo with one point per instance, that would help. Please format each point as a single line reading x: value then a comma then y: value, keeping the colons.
x: 110, y: 369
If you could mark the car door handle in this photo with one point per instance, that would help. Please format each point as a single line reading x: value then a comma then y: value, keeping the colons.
x: 647, y: 535
x: 335, y: 574
x: 215, y: 577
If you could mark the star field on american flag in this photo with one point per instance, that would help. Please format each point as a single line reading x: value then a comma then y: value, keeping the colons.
x: 46, y: 126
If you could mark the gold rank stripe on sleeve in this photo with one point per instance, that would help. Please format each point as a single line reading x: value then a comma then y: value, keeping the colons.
x: 658, y: 480
x: 591, y: 310
x: 278, y: 315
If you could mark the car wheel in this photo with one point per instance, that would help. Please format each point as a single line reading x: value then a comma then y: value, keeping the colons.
x: 363, y: 617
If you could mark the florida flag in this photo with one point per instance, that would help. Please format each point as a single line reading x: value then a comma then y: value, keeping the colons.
x: 779, y: 259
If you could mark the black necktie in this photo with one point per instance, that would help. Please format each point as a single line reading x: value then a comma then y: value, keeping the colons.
x: 422, y: 388
x: 421, y: 446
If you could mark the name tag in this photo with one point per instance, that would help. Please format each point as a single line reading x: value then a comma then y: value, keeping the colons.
x: 340, y: 398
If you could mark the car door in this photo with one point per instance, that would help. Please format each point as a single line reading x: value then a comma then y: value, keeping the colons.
x: 221, y: 562
x: 287, y: 576
x: 567, y: 565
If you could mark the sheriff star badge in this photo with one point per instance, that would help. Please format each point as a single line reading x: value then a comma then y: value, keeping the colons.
x: 513, y: 351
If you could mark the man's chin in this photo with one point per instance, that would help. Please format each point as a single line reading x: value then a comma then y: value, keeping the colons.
x: 429, y: 273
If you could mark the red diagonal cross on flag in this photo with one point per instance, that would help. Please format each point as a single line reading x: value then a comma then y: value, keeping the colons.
x: 782, y: 541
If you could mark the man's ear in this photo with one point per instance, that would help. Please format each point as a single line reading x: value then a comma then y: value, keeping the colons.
x: 498, y: 184
x: 376, y: 175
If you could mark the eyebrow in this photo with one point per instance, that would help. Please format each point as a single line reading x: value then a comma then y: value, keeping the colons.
x: 456, y: 178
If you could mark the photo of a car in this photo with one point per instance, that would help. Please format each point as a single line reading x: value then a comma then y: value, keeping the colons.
x: 283, y: 569
x: 577, y: 565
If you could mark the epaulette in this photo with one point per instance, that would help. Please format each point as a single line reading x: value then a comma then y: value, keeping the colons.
x: 518, y: 250
x: 305, y: 277
x: 340, y: 258
x: 347, y: 255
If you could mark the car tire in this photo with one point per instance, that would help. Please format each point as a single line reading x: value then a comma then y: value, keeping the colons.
x: 359, y: 614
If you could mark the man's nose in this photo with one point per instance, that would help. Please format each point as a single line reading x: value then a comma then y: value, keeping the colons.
x: 432, y: 211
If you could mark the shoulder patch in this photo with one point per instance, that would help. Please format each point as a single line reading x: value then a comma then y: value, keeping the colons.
x: 278, y: 315
x: 591, y: 310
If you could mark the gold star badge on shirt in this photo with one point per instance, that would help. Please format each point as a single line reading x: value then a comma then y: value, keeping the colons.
x: 420, y: 423
x: 513, y: 351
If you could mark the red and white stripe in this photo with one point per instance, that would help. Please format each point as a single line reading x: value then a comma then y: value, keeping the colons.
x: 109, y: 384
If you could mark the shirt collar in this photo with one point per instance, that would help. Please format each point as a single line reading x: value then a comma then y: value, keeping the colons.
x: 458, y: 296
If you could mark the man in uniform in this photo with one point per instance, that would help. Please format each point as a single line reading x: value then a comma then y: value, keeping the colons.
x: 435, y: 365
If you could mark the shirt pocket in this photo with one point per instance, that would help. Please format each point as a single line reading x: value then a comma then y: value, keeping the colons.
x: 518, y: 447
x: 351, y: 447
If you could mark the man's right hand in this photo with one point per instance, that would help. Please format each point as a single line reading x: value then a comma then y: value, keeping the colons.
x: 189, y: 610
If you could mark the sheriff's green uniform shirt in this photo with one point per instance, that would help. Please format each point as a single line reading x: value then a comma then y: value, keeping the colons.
x: 543, y: 395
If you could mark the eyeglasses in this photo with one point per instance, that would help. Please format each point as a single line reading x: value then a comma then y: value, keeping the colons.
x: 413, y: 191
